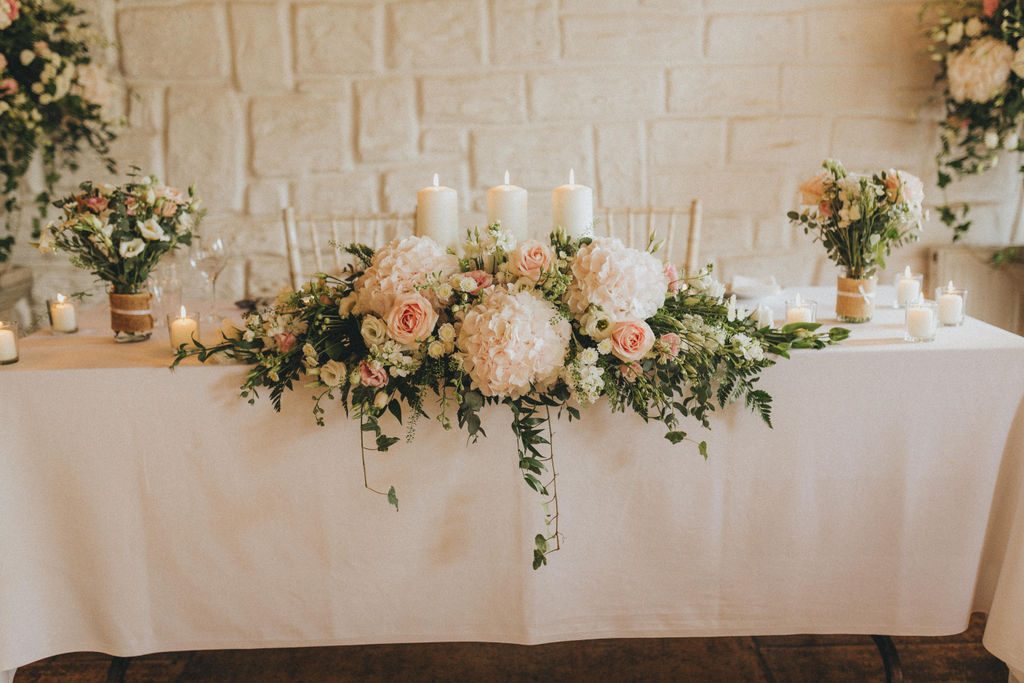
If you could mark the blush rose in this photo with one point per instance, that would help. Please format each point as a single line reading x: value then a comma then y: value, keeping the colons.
x: 411, y: 319
x: 631, y: 340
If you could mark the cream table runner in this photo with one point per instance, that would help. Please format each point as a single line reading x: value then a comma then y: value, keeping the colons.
x: 143, y: 510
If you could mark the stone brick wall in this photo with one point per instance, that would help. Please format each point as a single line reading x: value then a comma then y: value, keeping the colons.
x: 351, y: 105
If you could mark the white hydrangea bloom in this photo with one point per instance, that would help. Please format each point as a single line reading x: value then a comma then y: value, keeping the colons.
x: 625, y: 283
x: 398, y: 268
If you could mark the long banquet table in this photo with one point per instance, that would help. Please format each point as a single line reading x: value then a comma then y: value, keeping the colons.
x: 145, y: 510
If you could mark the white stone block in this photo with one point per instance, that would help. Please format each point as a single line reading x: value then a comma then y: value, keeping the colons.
x: 605, y: 94
x: 260, y: 42
x: 444, y: 141
x: 335, y: 39
x: 434, y: 33
x: 734, y: 90
x: 755, y: 38
x: 721, y: 190
x: 205, y: 143
x: 266, y: 197
x: 620, y: 164
x: 777, y: 141
x: 296, y: 135
x: 524, y: 31
x: 469, y: 99
x: 632, y: 37
x: 688, y: 143
x: 174, y: 41
x: 387, y: 119
x: 538, y: 157
x: 146, y: 107
x: 874, y: 144
x: 343, y: 194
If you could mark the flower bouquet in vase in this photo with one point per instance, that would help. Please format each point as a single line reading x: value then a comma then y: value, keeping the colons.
x: 859, y: 219
x: 119, y: 234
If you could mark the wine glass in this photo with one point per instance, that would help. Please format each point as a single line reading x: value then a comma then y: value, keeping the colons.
x: 208, y: 254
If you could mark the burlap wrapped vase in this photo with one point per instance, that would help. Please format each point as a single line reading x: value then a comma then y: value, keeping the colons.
x: 130, y: 316
x: 855, y: 299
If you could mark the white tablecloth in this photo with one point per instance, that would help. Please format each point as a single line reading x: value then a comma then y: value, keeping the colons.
x: 143, y: 510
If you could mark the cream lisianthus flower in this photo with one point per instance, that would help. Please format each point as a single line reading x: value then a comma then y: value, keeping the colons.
x: 131, y: 248
x: 374, y: 331
x: 151, y: 230
x: 333, y: 373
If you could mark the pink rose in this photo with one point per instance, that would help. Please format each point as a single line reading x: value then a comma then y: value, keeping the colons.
x: 672, y: 275
x: 671, y: 343
x: 168, y: 209
x: 631, y: 340
x: 8, y: 86
x: 531, y: 259
x: 129, y: 206
x: 97, y: 203
x: 825, y: 209
x: 411, y: 319
x: 285, y: 341
x: 631, y: 372
x: 10, y: 8
x: 989, y: 7
x: 811, y: 190
x: 372, y: 375
x: 482, y: 278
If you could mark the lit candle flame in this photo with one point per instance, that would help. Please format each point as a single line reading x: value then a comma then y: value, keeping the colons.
x: 950, y: 288
x: 437, y: 180
x: 907, y: 273
x: 572, y: 176
x: 183, y: 314
x: 60, y: 297
x: 506, y: 176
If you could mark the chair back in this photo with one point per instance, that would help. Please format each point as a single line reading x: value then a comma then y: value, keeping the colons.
x: 633, y: 225
x: 321, y: 236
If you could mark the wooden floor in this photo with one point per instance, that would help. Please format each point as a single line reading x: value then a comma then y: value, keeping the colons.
x: 776, y: 659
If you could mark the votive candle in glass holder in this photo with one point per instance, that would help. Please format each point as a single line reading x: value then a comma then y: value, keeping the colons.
x: 800, y: 310
x: 909, y: 286
x: 952, y: 304
x: 183, y: 329
x: 922, y: 320
x: 8, y: 342
x: 62, y: 315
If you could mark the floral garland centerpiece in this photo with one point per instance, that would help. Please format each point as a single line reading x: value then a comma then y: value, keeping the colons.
x: 860, y: 219
x: 978, y: 48
x: 537, y: 327
x: 52, y: 99
x: 119, y: 234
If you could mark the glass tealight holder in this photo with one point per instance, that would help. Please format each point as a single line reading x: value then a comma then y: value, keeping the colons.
x: 952, y: 304
x: 62, y: 315
x: 801, y: 311
x: 922, y: 321
x: 183, y: 329
x: 8, y: 342
x: 908, y: 288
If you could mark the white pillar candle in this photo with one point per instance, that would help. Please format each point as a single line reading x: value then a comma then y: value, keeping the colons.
x: 920, y: 322
x: 764, y: 316
x: 908, y: 288
x: 437, y: 214
x: 62, y: 315
x: 8, y: 346
x: 799, y: 311
x: 182, y: 330
x: 951, y: 306
x: 506, y: 204
x: 572, y: 208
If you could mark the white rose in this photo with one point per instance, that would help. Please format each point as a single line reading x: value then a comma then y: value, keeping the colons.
x: 446, y: 333
x: 435, y: 349
x: 973, y: 27
x: 151, y: 230
x: 374, y: 331
x: 332, y: 373
x: 132, y: 248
